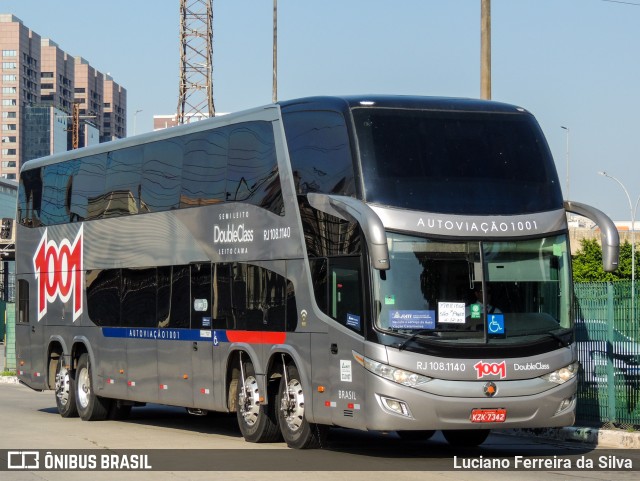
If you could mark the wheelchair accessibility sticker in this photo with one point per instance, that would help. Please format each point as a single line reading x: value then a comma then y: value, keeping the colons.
x: 496, y: 324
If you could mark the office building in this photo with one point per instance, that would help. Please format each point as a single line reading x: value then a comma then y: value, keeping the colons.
x: 114, y: 124
x: 39, y: 85
x: 20, y: 86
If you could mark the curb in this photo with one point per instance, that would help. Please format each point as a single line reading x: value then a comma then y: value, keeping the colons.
x: 602, y: 438
x: 8, y: 380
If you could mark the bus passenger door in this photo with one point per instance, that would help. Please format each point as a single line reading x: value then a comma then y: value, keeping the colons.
x: 346, y: 336
x: 202, y: 345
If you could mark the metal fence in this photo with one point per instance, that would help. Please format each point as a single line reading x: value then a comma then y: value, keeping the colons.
x: 608, y: 341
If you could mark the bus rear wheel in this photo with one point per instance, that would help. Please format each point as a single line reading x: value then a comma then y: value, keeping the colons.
x: 466, y: 437
x: 296, y: 430
x: 65, y: 391
x: 90, y: 406
x: 257, y: 421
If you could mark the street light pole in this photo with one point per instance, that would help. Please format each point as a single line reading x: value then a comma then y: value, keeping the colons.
x: 135, y: 117
x: 632, y: 211
x: 568, y: 197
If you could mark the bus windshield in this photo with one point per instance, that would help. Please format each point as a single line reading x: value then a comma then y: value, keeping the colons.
x: 475, y: 291
x: 456, y: 162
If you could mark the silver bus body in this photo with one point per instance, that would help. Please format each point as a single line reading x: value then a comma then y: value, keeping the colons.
x: 302, y: 298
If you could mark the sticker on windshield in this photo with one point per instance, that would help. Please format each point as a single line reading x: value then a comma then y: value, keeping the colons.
x: 475, y: 310
x: 389, y: 300
x: 412, y: 319
x: 496, y: 324
x: 353, y: 321
x: 451, y: 312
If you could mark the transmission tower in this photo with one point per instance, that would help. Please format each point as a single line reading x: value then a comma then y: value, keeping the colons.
x: 196, y: 60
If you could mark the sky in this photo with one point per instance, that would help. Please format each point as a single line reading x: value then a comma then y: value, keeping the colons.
x: 572, y: 63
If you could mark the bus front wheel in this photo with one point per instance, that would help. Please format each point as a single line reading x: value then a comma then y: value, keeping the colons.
x: 90, y: 406
x: 257, y: 421
x: 296, y: 430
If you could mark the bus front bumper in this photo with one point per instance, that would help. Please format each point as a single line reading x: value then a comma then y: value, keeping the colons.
x: 397, y: 407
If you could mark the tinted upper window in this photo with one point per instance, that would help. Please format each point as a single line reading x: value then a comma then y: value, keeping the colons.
x: 456, y: 162
x: 56, y: 193
x: 123, y: 182
x: 161, y: 176
x: 204, y: 168
x: 30, y: 198
x: 88, y: 193
x: 252, y: 174
x: 319, y: 150
x: 232, y: 163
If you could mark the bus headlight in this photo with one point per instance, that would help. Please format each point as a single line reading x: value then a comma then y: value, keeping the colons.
x: 395, y: 374
x: 562, y: 375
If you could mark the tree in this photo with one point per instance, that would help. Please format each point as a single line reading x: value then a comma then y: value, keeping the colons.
x: 587, y: 263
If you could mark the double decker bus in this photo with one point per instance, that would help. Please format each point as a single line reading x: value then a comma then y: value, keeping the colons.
x: 374, y: 262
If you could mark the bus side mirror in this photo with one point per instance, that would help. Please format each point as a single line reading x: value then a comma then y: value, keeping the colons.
x: 354, y: 210
x: 608, y: 232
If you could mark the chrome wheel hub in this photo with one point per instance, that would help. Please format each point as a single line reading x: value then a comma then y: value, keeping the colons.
x: 84, y: 388
x: 62, y: 385
x: 293, y: 405
x: 249, y: 404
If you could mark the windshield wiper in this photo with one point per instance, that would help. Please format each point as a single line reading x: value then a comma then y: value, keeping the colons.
x: 558, y: 338
x: 413, y: 337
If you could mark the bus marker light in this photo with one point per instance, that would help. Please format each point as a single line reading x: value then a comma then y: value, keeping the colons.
x: 358, y: 357
x: 131, y: 383
x: 330, y: 404
x: 121, y: 371
x: 320, y: 388
x: 185, y: 376
x: 22, y: 363
x: 204, y: 390
x: 111, y: 381
x: 36, y: 374
x: 164, y: 387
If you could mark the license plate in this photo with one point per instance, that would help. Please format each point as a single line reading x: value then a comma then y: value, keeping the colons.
x: 488, y: 415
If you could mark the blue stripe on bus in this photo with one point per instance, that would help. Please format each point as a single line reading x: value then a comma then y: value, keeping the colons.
x: 166, y: 334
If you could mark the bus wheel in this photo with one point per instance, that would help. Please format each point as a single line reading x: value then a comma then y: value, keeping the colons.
x: 257, y: 421
x: 466, y: 437
x: 90, y: 406
x: 65, y: 391
x: 415, y: 435
x: 296, y: 430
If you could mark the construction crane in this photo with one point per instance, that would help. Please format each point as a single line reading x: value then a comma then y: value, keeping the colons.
x: 75, y: 124
x: 195, y: 99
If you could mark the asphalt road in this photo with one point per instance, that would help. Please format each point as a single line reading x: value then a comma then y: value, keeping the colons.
x: 178, y: 444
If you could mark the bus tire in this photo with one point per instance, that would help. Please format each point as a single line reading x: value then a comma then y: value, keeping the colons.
x: 297, y: 432
x: 65, y: 391
x: 90, y: 407
x: 422, y: 435
x: 466, y: 437
x: 257, y: 422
